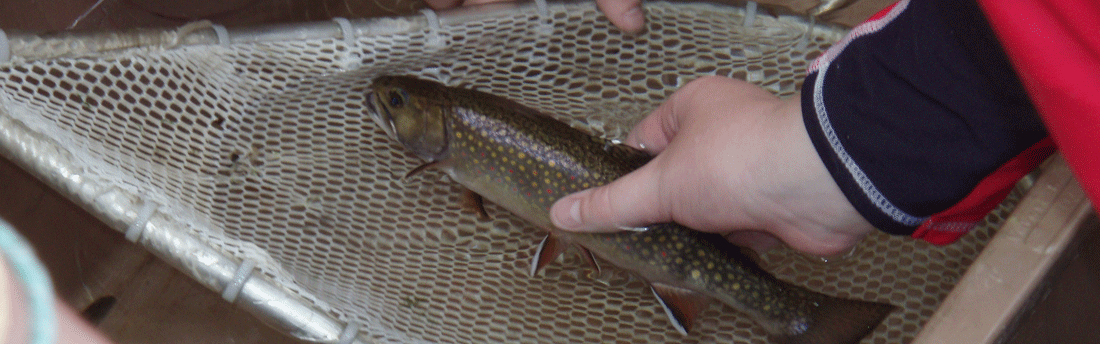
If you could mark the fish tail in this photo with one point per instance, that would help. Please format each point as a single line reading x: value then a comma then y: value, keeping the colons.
x: 840, y: 321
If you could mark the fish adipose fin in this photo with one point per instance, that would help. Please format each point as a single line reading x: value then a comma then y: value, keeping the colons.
x: 682, y: 306
x: 838, y: 321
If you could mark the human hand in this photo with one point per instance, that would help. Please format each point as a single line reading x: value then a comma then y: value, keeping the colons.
x: 732, y: 159
x: 627, y: 15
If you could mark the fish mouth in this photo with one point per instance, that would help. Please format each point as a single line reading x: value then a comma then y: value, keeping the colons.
x: 381, y: 115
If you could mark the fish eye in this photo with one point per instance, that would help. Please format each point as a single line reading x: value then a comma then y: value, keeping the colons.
x: 397, y: 99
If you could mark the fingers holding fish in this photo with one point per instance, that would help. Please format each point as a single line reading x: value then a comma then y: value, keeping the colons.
x: 631, y: 201
x: 730, y: 157
x: 625, y: 14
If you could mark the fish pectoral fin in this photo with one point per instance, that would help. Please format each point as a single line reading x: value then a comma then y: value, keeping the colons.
x: 682, y: 306
x: 549, y: 249
x: 471, y: 200
x: 423, y: 167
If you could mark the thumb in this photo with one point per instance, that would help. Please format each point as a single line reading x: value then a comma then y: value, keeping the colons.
x: 626, y: 203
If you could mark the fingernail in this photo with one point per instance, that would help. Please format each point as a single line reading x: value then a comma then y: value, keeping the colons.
x: 634, y: 229
x: 571, y: 219
x: 633, y: 19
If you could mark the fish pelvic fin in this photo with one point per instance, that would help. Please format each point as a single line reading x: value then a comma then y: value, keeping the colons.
x: 549, y: 249
x: 472, y: 201
x: 837, y: 321
x: 590, y: 259
x: 682, y: 306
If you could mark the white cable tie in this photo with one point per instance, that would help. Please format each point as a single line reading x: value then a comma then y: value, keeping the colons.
x: 5, y: 47
x: 346, y: 30
x: 546, y: 24
x: 244, y: 272
x: 435, y: 28
x: 750, y: 13
x: 349, y: 334
x: 805, y: 40
x: 222, y: 33
x: 133, y: 233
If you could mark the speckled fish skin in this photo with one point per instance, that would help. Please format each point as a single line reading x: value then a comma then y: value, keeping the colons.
x: 524, y: 161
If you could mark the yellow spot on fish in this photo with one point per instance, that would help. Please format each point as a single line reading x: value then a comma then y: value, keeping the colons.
x: 648, y: 239
x: 695, y: 274
x: 736, y: 286
x: 679, y: 260
x: 458, y: 135
x: 505, y: 159
x: 717, y: 278
x: 702, y: 253
x: 767, y: 307
x: 551, y: 163
x: 710, y: 265
x: 521, y: 155
x: 679, y: 245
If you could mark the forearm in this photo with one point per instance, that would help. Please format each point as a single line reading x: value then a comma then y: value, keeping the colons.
x: 914, y: 109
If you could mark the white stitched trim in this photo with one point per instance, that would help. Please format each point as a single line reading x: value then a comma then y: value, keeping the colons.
x: 858, y: 31
x: 861, y: 178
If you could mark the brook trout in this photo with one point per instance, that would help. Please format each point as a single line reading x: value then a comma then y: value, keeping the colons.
x: 523, y: 161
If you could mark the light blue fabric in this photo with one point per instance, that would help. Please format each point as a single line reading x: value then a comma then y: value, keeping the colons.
x: 36, y: 285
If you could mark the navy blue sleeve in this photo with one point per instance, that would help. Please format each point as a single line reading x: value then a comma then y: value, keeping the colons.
x: 914, y: 108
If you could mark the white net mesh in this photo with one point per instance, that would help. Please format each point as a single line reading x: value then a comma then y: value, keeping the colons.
x: 261, y: 149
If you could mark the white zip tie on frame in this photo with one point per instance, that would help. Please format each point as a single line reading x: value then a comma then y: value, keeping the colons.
x: 222, y: 33
x: 750, y: 13
x: 134, y: 232
x: 546, y: 23
x: 244, y: 272
x: 352, y: 59
x: 5, y: 48
x: 347, y: 32
x: 349, y: 334
x: 435, y: 28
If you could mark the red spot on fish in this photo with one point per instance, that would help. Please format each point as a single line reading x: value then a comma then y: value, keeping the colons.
x: 528, y: 194
x: 572, y: 177
x: 482, y: 154
x: 535, y: 172
x: 664, y: 254
x: 492, y: 168
x: 510, y: 171
x: 549, y: 191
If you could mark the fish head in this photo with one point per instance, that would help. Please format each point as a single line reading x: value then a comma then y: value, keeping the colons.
x: 411, y: 111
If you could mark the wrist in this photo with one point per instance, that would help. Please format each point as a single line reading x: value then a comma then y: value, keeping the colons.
x: 811, y: 213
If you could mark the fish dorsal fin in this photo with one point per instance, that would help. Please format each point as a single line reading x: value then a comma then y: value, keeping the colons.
x: 681, y: 305
x: 549, y: 249
x: 423, y: 167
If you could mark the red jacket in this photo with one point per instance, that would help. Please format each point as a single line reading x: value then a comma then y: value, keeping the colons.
x: 1054, y: 46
